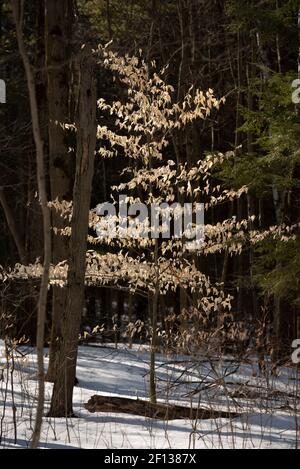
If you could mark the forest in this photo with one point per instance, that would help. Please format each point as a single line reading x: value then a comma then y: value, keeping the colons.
x: 150, y: 224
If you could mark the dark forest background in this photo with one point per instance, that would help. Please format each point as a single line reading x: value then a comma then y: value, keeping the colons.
x: 245, y: 50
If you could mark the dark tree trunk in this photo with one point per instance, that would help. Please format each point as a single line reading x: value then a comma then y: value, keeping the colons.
x: 61, y: 404
x: 59, y: 21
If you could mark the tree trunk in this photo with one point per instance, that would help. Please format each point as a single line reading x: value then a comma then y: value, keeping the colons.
x: 61, y: 403
x: 17, y: 8
x: 153, y: 306
x: 152, y: 376
x: 59, y: 21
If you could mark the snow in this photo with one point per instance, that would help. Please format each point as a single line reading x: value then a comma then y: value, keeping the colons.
x: 269, y: 418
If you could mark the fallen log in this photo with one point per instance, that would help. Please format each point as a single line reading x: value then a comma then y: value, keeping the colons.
x: 110, y: 404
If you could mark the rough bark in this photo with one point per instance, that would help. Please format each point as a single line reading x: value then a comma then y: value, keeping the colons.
x: 59, y: 21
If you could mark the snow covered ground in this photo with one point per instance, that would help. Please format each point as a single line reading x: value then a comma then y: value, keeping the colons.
x: 269, y: 408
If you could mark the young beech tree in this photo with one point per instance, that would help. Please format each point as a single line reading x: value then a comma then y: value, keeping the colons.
x: 149, y: 256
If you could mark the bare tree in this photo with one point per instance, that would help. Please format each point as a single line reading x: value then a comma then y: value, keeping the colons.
x: 17, y: 7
